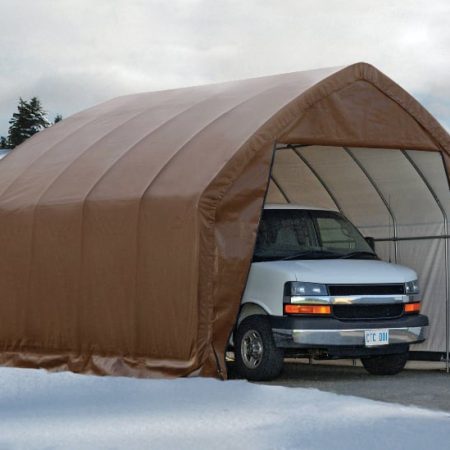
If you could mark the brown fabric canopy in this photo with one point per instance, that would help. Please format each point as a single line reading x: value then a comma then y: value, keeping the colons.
x: 127, y: 230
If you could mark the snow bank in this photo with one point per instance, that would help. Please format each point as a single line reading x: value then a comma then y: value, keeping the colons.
x: 63, y: 410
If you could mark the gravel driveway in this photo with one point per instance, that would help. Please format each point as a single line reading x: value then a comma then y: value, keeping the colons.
x: 422, y: 384
x: 428, y: 388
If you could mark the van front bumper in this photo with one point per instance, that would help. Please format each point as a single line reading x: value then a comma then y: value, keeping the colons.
x: 329, y: 333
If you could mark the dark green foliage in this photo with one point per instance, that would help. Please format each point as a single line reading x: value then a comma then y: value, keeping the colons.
x: 29, y: 119
x: 3, y: 143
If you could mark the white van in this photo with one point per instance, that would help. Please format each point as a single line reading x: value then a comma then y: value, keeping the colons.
x: 317, y: 289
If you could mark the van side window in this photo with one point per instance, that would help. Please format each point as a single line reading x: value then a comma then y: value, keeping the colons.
x: 338, y: 234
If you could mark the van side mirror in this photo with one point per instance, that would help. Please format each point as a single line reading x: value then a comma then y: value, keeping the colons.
x: 371, y: 242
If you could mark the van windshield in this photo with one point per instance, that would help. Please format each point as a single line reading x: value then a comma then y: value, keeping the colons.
x: 289, y: 234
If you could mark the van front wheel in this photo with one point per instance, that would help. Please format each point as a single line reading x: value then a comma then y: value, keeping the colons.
x: 385, y: 364
x: 257, y: 357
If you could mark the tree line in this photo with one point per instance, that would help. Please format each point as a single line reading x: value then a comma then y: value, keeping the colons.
x: 29, y: 119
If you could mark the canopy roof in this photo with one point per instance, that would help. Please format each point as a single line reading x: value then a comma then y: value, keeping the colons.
x: 128, y: 229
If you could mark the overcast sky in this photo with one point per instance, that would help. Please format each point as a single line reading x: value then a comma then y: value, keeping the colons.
x: 75, y: 53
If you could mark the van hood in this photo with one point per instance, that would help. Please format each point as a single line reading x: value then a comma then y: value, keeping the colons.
x: 342, y: 271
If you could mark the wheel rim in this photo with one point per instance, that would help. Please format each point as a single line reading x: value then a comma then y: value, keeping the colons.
x: 252, y: 349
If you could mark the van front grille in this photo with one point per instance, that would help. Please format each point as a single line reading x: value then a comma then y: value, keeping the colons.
x: 366, y: 289
x: 361, y: 312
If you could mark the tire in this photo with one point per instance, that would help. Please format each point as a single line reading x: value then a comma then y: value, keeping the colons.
x: 257, y: 357
x: 385, y: 364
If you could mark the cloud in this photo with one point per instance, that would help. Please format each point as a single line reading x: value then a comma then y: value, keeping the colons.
x: 75, y: 53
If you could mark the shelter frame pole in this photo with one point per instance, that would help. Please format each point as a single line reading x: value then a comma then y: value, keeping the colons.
x: 277, y: 147
x: 315, y: 173
x: 413, y: 238
x: 275, y: 182
x: 445, y: 237
x: 291, y: 146
x: 382, y: 197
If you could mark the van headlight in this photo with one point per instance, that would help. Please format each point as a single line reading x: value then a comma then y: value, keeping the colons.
x: 302, y: 289
x: 306, y: 298
x: 412, y: 287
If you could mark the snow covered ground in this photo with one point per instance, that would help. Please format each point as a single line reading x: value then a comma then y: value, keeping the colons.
x: 63, y: 410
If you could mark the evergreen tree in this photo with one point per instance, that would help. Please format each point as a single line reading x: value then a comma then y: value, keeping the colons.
x: 58, y: 118
x: 29, y: 119
x: 3, y: 143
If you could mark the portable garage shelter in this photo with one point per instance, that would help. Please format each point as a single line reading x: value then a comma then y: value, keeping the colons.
x: 127, y: 230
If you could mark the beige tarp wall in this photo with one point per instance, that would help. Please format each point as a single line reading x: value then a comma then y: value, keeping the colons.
x: 127, y: 230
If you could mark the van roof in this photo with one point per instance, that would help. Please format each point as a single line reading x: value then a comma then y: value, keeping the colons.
x: 294, y: 206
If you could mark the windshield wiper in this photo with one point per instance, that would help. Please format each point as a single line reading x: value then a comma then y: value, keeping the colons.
x: 364, y: 255
x: 258, y: 258
x: 313, y: 254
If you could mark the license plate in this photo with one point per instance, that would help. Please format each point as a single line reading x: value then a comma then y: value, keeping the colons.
x: 376, y: 337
